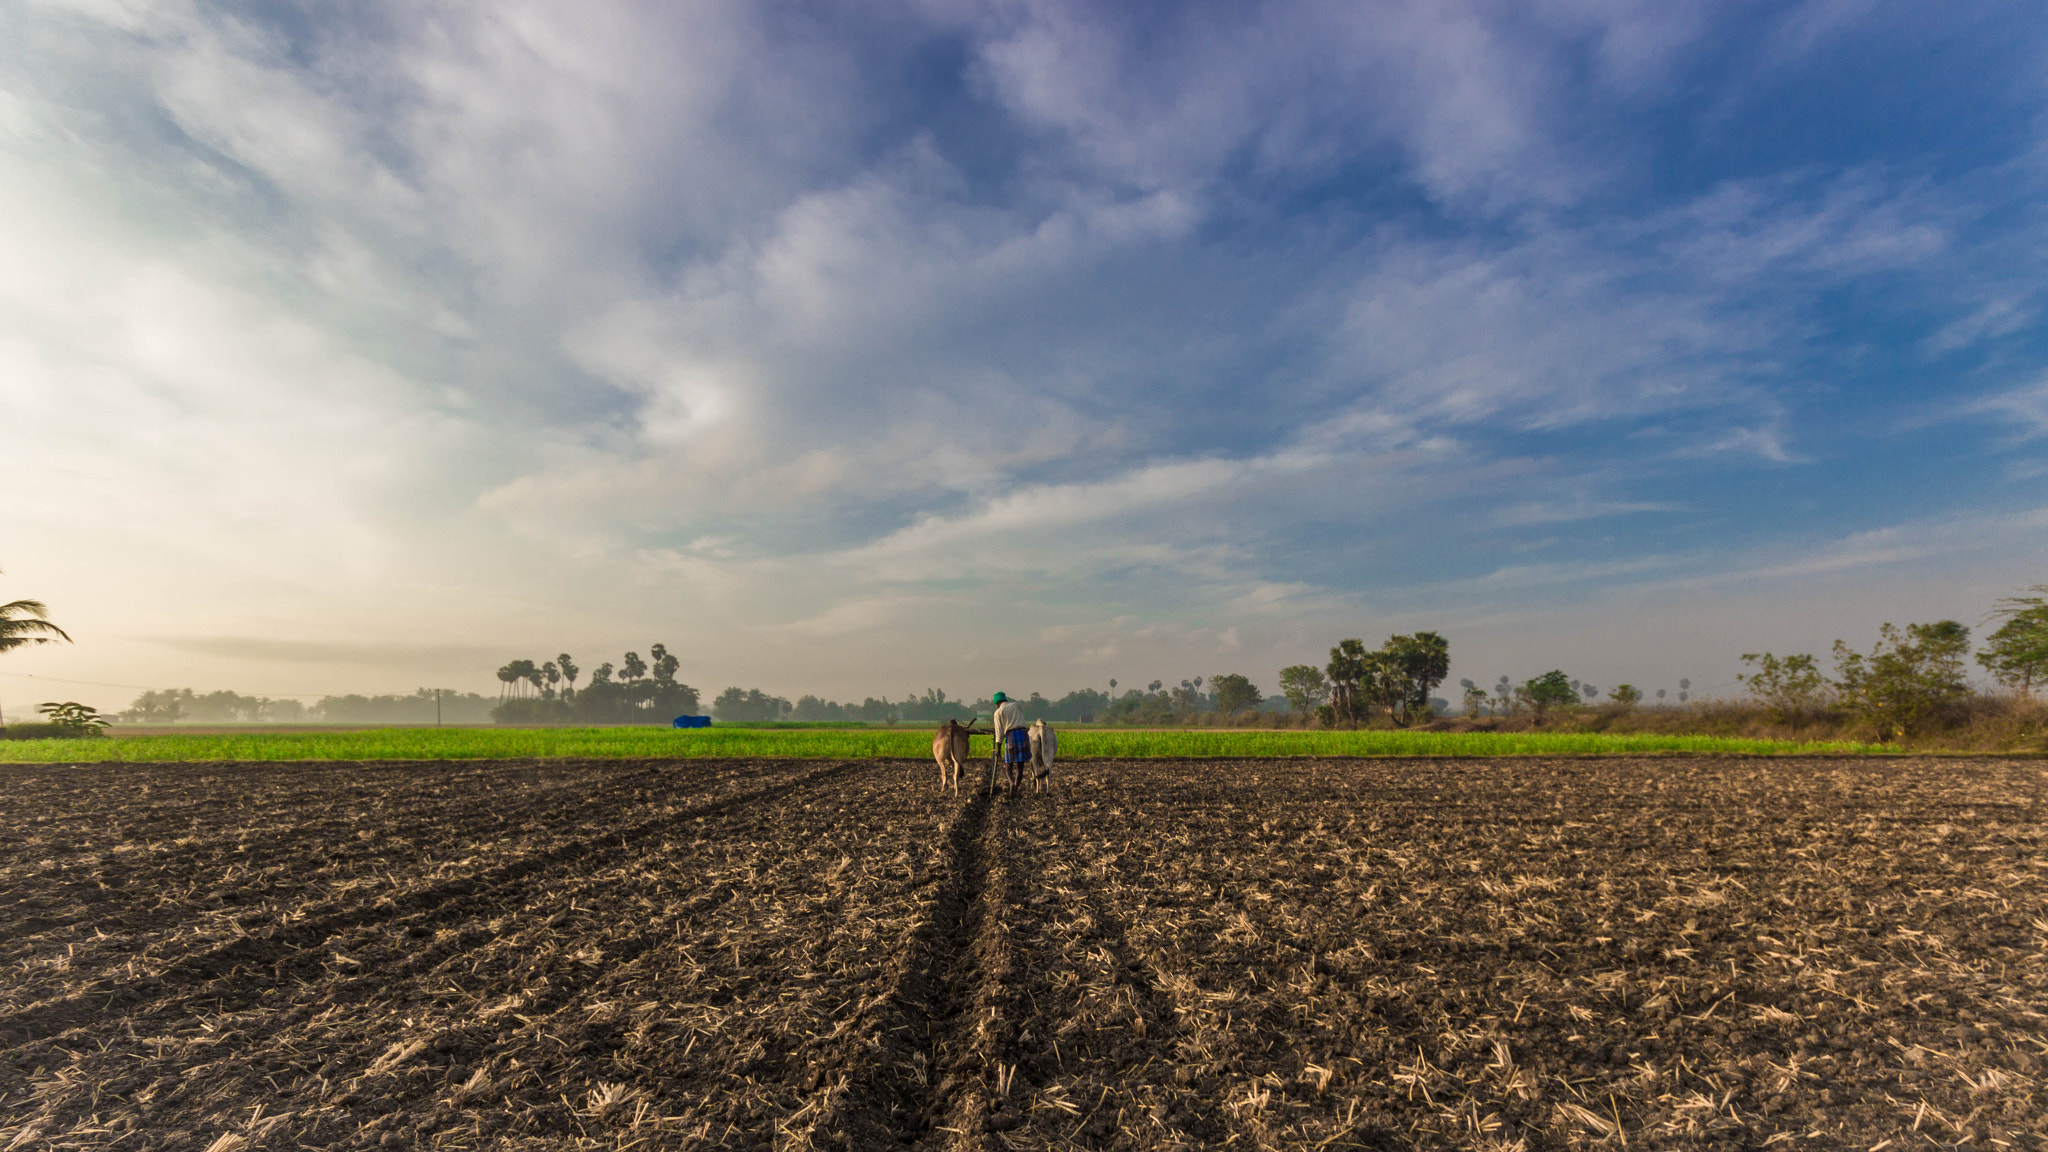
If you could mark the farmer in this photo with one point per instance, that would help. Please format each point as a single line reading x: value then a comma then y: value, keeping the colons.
x: 1013, y: 740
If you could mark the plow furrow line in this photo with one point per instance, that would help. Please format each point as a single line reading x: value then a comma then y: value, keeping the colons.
x: 251, y: 963
x: 1141, y: 977
x: 98, y: 900
x: 256, y: 797
x: 980, y: 1044
x: 909, y: 1061
x: 556, y: 1005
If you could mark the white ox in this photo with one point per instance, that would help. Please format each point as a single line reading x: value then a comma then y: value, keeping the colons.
x: 1045, y: 744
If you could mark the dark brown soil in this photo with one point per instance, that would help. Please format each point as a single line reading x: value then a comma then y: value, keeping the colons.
x: 1536, y: 954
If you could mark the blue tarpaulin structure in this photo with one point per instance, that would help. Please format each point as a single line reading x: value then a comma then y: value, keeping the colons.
x: 693, y: 722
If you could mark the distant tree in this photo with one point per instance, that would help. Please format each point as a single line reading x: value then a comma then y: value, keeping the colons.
x: 602, y: 674
x: 1415, y: 666
x: 735, y: 704
x: 506, y: 676
x: 817, y: 708
x: 1626, y: 695
x: 416, y: 707
x: 632, y: 667
x: 2017, y: 653
x: 1154, y: 686
x: 1305, y: 687
x: 1353, y: 673
x: 665, y: 697
x: 1550, y: 690
x: 665, y: 664
x: 1909, y: 679
x: 1504, y: 697
x: 1475, y: 698
x: 1080, y: 704
x: 569, y: 671
x: 524, y: 672
x: 872, y: 709
x: 1660, y: 695
x: 1787, y: 687
x: 730, y: 703
x: 165, y: 707
x: 224, y: 708
x: 1683, y: 687
x: 1112, y: 688
x: 1398, y: 677
x: 1235, y: 693
x: 934, y: 705
x: 553, y: 676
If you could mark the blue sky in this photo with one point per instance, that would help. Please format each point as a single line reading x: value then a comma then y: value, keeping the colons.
x: 862, y: 349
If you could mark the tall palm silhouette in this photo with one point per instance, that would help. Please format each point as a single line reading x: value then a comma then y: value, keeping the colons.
x: 25, y: 622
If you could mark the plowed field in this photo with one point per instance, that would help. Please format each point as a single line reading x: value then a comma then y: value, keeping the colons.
x: 1538, y: 954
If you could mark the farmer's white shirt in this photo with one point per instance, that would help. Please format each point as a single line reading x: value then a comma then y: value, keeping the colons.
x: 1008, y: 716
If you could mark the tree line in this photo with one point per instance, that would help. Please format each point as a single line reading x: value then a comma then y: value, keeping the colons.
x: 1914, y: 679
x: 1225, y: 695
x: 1361, y: 686
x: 637, y: 691
x: 423, y: 706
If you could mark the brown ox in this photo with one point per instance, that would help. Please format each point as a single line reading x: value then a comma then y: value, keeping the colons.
x: 949, y: 748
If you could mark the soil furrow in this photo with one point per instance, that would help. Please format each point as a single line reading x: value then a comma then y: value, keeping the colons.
x: 1708, y: 954
x: 244, y: 965
x: 979, y: 1045
x: 110, y: 913
x: 261, y: 791
x: 627, y: 975
x: 901, y: 1083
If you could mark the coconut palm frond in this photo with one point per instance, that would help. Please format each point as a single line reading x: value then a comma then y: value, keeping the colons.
x: 27, y: 622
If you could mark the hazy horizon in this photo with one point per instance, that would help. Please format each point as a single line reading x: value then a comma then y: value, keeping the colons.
x: 1029, y: 345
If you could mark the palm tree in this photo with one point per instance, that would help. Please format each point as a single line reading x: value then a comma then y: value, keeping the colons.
x: 520, y: 672
x: 26, y: 622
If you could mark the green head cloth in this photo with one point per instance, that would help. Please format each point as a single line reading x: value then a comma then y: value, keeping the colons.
x: 998, y: 698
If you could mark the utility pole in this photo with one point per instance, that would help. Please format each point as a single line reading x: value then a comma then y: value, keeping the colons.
x: 437, y: 707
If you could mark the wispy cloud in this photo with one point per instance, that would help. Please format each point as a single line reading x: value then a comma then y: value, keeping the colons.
x: 2023, y: 411
x: 1097, y: 332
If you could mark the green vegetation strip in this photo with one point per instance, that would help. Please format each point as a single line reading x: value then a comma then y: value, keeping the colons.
x: 1075, y: 743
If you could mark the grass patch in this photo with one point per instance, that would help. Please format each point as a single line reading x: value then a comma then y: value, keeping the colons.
x: 1075, y: 743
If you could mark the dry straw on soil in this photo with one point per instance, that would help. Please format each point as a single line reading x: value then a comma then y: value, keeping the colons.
x: 771, y: 954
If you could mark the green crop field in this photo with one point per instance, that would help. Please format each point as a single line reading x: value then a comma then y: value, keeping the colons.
x: 1075, y: 743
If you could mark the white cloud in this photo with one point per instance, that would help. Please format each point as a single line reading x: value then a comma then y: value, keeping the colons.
x: 2024, y: 409
x: 484, y: 323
